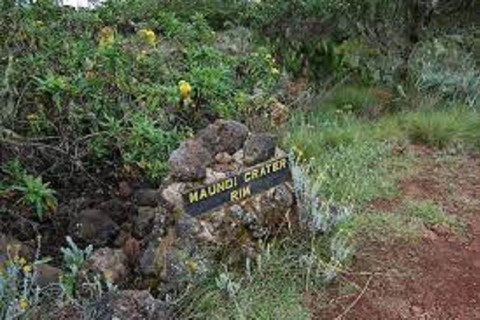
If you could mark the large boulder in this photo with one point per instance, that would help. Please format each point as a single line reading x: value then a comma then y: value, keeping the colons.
x: 189, y: 161
x: 223, y: 136
x: 117, y: 209
x: 143, y: 222
x: 109, y: 262
x: 258, y: 148
x: 147, y: 197
x: 94, y: 227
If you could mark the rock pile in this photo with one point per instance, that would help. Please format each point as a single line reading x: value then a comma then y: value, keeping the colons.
x: 143, y: 236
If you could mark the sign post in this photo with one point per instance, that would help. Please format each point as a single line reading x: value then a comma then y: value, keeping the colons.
x: 237, y: 187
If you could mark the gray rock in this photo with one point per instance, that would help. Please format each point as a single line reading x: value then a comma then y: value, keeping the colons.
x: 111, y: 263
x: 173, y: 194
x: 189, y: 161
x: 223, y: 158
x: 142, y: 224
x: 258, y: 148
x: 45, y: 275
x: 117, y: 209
x: 276, y: 201
x: 14, y: 248
x: 187, y: 227
x: 124, y: 189
x: 132, y: 305
x: 147, y: 197
x: 94, y: 227
x: 224, y: 136
x: 149, y: 261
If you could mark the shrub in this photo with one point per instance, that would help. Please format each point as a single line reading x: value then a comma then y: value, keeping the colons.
x: 111, y: 87
x: 32, y: 190
x: 444, y: 68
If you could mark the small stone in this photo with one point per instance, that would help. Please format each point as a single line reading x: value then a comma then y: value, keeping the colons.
x: 45, y: 275
x: 223, y: 158
x: 142, y: 224
x: 94, y: 227
x: 279, y: 113
x: 279, y: 153
x: 213, y: 176
x: 131, y: 248
x: 258, y: 148
x: 173, y: 194
x: 124, y: 189
x: 187, y: 227
x: 14, y: 248
x: 117, y: 209
x: 132, y: 305
x: 146, y: 197
x: 148, y: 265
x: 111, y: 263
x: 189, y: 161
x: 224, y: 136
x: 238, y: 157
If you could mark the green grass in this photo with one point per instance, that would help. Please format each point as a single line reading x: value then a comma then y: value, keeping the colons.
x: 382, y: 227
x: 272, y: 291
x: 431, y: 214
x: 352, y: 156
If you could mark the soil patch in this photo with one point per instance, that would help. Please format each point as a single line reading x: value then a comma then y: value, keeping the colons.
x: 437, y: 277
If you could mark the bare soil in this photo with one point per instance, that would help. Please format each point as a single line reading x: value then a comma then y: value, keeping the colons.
x: 436, y: 277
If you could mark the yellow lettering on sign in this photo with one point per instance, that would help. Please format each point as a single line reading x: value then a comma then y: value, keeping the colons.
x: 193, y: 196
x: 275, y: 166
x: 262, y: 172
x: 229, y: 184
x: 247, y: 176
x: 240, y: 194
x: 203, y: 194
x: 245, y: 192
x: 283, y: 164
x: 220, y: 186
x: 269, y: 167
x: 254, y: 174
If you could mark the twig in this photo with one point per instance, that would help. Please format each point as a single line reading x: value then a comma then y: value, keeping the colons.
x: 344, y: 313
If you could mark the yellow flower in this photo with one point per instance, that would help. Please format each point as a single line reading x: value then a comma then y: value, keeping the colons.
x: 27, y: 268
x: 108, y: 275
x: 106, y: 37
x: 297, y: 152
x: 22, y: 261
x: 148, y: 35
x: 192, y: 266
x: 185, y: 89
x: 275, y: 71
x: 23, y: 303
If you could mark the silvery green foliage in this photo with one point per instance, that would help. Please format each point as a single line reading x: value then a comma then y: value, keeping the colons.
x: 73, y: 260
x: 443, y: 68
x: 226, y: 284
x: 74, y: 257
x: 317, y: 214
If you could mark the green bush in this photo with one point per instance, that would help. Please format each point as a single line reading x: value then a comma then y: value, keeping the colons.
x: 442, y: 67
x: 107, y: 80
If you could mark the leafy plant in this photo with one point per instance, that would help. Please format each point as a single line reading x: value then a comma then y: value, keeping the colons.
x: 37, y: 194
x: 33, y: 191
x: 73, y: 260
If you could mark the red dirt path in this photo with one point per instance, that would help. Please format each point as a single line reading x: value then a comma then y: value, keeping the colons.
x: 437, y: 277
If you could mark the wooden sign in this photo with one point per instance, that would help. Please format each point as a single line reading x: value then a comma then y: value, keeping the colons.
x: 236, y: 188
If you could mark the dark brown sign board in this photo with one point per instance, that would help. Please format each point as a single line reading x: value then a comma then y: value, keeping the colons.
x: 237, y: 187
